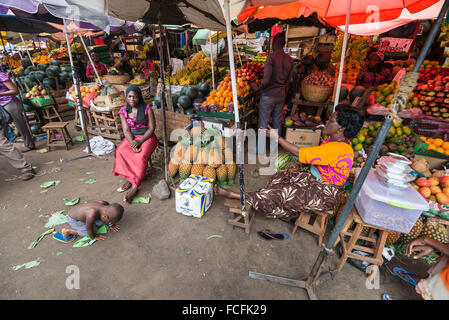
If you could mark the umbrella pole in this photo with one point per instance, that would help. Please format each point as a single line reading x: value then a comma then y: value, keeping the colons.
x: 212, y: 61
x: 314, y: 278
x: 164, y: 121
x: 239, y: 152
x: 343, y: 55
x: 171, y: 107
x: 90, y: 59
x: 26, y: 48
x: 79, y: 101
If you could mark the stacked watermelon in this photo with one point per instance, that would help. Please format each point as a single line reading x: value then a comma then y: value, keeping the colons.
x: 187, y: 98
x: 45, y: 74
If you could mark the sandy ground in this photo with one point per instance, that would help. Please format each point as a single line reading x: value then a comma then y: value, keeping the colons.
x: 158, y: 253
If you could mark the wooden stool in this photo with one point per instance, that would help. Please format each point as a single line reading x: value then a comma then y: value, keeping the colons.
x: 52, y: 128
x: 371, y: 245
x: 50, y: 113
x: 318, y: 226
x: 239, y: 219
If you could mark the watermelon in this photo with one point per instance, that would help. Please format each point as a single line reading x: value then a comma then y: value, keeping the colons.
x: 21, y: 73
x: 49, y: 83
x: 174, y: 98
x: 185, y: 102
x: 27, y: 71
x: 283, y: 161
x: 29, y: 82
x: 183, y: 91
x: 157, y: 102
x: 307, y: 60
x: 204, y: 88
x: 344, y: 91
x: 54, y: 62
x: 322, y: 60
x: 35, y: 129
x: 25, y: 63
x: 40, y: 75
x: 192, y: 92
x: 63, y: 76
x: 31, y: 75
x: 42, y: 67
x: 27, y: 107
x: 201, y: 95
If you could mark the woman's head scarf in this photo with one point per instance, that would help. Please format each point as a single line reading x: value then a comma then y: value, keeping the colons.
x: 141, y: 106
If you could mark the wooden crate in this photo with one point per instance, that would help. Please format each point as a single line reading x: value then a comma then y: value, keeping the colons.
x: 173, y: 121
x: 66, y: 111
x: 106, y: 124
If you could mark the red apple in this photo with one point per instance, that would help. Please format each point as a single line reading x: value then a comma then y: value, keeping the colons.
x: 444, y: 181
x: 425, y: 192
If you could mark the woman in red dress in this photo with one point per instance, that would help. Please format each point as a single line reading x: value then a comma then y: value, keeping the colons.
x: 132, y: 155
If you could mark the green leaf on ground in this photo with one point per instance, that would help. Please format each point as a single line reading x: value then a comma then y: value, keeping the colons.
x: 58, y: 253
x: 90, y: 181
x: 36, y: 242
x: 78, y: 139
x: 48, y: 184
x: 72, y: 202
x: 56, y: 219
x: 144, y: 200
x: 84, y: 242
x: 90, y: 172
x: 27, y: 265
x: 103, y: 229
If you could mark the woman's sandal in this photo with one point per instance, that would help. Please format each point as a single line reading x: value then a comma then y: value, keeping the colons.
x: 405, y: 275
x: 124, y: 187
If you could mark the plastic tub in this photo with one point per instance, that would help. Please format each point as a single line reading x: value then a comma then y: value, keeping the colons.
x: 394, y: 209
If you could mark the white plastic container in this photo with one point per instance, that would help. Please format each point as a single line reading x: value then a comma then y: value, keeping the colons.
x: 194, y: 196
x: 394, y: 209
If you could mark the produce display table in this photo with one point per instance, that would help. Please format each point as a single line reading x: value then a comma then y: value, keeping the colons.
x: 320, y: 106
x: 107, y: 124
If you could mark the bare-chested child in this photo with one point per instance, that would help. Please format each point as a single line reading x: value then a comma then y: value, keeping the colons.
x: 85, y: 219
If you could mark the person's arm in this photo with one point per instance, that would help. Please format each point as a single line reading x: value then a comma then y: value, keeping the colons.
x: 290, y: 147
x: 151, y: 127
x: 127, y: 132
x: 12, y: 89
x: 422, y: 245
x: 91, y: 217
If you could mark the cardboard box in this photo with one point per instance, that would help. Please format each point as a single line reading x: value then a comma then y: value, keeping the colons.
x: 303, y: 137
x: 194, y: 196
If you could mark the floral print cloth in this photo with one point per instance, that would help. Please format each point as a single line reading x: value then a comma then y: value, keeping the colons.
x: 132, y: 122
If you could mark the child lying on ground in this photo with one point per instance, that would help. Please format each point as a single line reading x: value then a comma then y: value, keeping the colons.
x: 86, y: 218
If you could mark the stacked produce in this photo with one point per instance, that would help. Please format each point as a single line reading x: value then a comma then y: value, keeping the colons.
x: 301, y: 119
x: 13, y: 61
x: 94, y: 89
x: 44, y: 74
x: 437, y: 144
x: 203, y: 152
x: 426, y: 228
x: 356, y: 51
x: 187, y: 98
x: 76, y: 47
x: 36, y: 91
x: 399, y: 140
x: 384, y: 93
x: 432, y: 91
x: 59, y: 53
x: 40, y: 57
x: 197, y: 69
x: 435, y: 189
x: 321, y: 79
x: 261, y: 57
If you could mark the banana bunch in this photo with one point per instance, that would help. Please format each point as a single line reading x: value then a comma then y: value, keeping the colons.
x: 137, y: 81
x: 356, y: 49
x: 444, y: 35
x: 147, y: 47
x: 133, y: 63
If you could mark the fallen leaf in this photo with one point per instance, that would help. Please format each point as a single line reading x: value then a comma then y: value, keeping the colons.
x: 90, y: 181
x: 72, y: 202
x: 214, y: 236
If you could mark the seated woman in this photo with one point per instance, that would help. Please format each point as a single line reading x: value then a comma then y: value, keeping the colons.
x: 132, y: 155
x: 314, y: 184
x: 373, y: 72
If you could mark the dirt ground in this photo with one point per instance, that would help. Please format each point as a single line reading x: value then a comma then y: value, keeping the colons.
x: 158, y: 253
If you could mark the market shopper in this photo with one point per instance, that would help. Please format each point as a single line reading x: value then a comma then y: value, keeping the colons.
x: 436, y: 286
x: 373, y: 72
x: 8, y: 99
x: 132, y: 155
x: 275, y: 84
x: 101, y: 68
x: 316, y: 183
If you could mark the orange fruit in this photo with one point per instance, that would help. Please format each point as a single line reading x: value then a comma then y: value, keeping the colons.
x: 429, y: 141
x: 445, y: 145
x: 446, y: 152
x: 431, y: 147
x: 441, y: 150
x: 438, y: 142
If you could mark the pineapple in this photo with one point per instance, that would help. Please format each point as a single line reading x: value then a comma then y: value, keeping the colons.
x: 197, y: 131
x: 190, y: 153
x: 197, y: 169
x: 178, y: 153
x: 173, y: 168
x: 415, y: 232
x: 202, y: 156
x: 392, y: 237
x: 436, y: 231
x: 214, y: 156
x: 209, y: 173
x: 231, y: 172
x: 222, y: 173
x: 184, y: 169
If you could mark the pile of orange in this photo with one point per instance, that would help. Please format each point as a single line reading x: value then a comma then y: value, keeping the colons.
x: 222, y: 96
x: 437, y: 144
x: 85, y: 90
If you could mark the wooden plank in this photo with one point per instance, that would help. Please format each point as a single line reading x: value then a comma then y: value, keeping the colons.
x: 280, y: 280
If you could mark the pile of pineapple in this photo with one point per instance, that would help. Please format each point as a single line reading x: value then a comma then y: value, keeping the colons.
x: 422, y: 228
x: 203, y: 152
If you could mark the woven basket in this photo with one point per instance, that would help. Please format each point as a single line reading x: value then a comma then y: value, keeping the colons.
x: 117, y: 79
x: 315, y: 93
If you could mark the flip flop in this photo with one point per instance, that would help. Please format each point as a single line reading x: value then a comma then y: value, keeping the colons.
x: 268, y: 235
x: 405, y: 275
x: 59, y: 237
x: 386, y: 297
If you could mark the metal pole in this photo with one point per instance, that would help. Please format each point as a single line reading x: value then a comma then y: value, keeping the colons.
x: 76, y: 84
x: 90, y: 59
x: 164, y: 123
x: 239, y: 152
x: 169, y: 63
x: 343, y: 54
x: 212, y: 60
x: 26, y: 48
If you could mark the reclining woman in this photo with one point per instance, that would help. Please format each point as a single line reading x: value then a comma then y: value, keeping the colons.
x: 316, y: 183
x: 132, y: 155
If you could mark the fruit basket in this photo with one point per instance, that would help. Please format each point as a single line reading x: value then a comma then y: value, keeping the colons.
x: 117, y: 79
x: 315, y: 93
x: 421, y: 148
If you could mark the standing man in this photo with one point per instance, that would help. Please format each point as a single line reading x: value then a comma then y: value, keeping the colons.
x: 8, y: 99
x: 275, y: 84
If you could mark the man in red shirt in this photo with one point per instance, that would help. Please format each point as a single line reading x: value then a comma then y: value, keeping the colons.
x: 101, y: 68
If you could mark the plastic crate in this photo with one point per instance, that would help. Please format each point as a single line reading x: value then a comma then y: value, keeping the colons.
x: 421, y: 148
x: 42, y: 101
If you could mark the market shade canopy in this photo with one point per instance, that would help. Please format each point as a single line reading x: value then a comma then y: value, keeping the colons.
x: 17, y: 24
x: 201, y: 37
x: 368, y: 17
